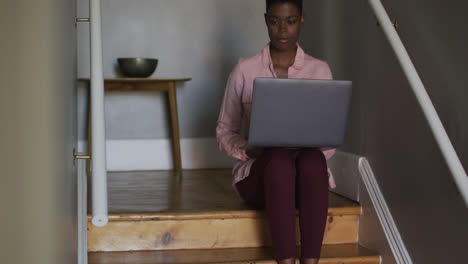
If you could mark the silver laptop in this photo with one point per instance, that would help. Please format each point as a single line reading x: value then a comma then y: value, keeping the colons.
x: 299, y: 112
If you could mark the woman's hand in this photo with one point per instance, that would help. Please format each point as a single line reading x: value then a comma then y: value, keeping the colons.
x: 253, y: 152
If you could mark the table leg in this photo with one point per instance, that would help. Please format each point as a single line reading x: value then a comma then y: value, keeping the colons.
x: 175, y: 127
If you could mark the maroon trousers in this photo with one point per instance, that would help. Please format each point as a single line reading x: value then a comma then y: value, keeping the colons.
x: 282, y: 180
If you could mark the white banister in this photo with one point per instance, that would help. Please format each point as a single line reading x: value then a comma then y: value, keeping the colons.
x: 98, y: 166
x: 442, y: 139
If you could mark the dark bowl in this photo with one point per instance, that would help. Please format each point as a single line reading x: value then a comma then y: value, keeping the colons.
x: 137, y: 67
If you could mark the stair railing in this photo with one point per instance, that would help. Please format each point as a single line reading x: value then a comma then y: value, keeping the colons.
x: 442, y: 139
x: 98, y: 162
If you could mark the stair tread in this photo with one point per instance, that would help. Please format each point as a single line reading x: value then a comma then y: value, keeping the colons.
x: 153, y: 194
x: 202, y: 212
x: 341, y: 253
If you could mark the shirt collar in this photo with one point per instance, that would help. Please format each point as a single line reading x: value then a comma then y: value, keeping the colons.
x: 298, y: 61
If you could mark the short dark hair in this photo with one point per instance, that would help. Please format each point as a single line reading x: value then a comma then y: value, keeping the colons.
x: 298, y: 3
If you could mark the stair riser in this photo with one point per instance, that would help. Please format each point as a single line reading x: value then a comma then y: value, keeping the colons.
x: 202, y: 234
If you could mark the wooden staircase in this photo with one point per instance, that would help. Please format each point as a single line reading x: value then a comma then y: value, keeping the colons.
x: 162, y: 217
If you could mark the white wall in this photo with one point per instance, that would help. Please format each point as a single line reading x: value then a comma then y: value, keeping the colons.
x: 201, y: 39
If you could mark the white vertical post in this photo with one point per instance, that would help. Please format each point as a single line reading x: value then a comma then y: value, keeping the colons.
x: 98, y: 166
x: 82, y: 213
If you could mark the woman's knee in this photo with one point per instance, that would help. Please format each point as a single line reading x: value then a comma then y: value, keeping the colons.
x: 311, y: 158
x: 281, y: 162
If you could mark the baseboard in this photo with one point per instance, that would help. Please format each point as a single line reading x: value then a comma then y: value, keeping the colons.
x: 156, y: 154
x: 387, y: 223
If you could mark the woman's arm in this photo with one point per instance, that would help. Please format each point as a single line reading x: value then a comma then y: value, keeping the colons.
x: 230, y: 117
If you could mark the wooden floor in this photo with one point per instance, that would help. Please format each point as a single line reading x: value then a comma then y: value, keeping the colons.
x: 193, y: 191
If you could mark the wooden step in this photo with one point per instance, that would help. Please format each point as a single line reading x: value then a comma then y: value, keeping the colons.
x: 331, y: 254
x: 232, y: 229
x: 199, y: 211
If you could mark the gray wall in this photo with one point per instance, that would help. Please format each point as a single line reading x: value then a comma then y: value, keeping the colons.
x: 38, y: 132
x: 201, y: 39
x: 387, y: 125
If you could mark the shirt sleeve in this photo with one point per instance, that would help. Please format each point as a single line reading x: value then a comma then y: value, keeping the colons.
x: 230, y: 117
x: 327, y: 72
x: 328, y: 152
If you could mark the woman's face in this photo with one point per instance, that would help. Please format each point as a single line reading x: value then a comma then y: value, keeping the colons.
x: 284, y: 24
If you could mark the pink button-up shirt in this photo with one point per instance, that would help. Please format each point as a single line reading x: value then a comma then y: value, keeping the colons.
x: 237, y: 103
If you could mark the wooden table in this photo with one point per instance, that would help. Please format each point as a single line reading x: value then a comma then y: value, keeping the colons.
x: 145, y: 84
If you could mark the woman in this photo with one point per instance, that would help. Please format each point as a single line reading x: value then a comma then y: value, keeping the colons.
x: 278, y: 179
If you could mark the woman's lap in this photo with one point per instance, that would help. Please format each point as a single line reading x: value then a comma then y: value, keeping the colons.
x: 282, y: 180
x: 252, y: 190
